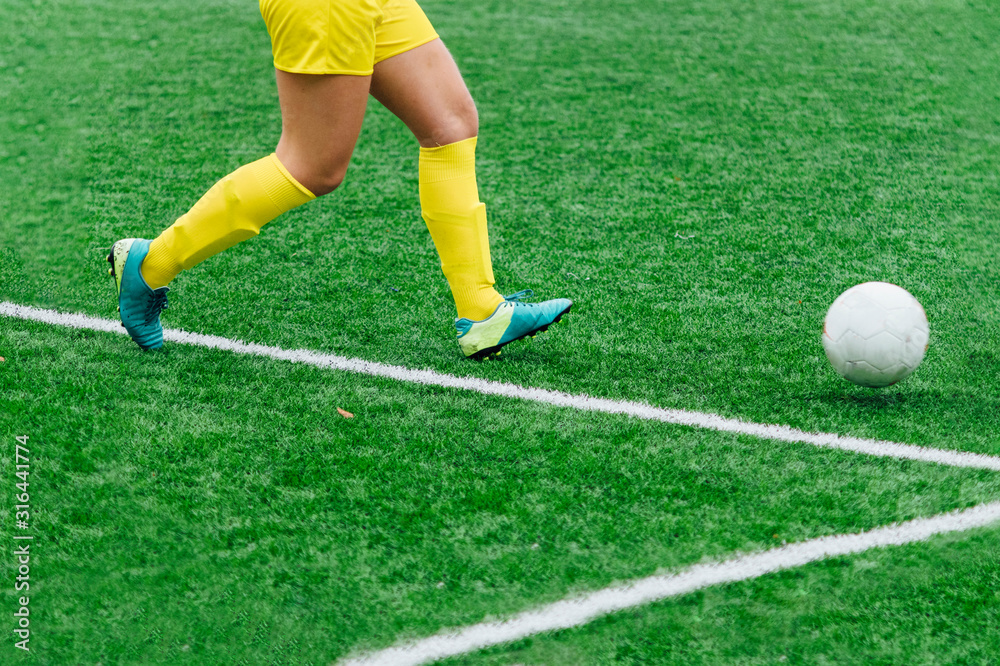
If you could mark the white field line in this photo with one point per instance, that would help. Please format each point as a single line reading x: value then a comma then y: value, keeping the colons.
x: 581, y: 402
x: 577, y: 611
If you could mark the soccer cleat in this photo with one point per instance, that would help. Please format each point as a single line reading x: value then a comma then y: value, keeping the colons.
x: 511, y: 321
x: 138, y: 305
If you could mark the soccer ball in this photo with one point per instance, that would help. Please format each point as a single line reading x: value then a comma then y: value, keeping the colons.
x: 875, y: 334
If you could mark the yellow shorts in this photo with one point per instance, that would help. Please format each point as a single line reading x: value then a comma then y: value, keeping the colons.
x: 342, y: 36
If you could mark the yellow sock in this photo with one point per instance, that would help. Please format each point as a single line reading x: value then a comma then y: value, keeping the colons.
x: 449, y: 199
x: 232, y: 211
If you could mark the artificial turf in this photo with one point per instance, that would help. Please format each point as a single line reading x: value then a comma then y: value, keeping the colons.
x: 168, y: 509
x: 701, y: 178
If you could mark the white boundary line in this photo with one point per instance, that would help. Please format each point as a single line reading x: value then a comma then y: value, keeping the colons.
x: 581, y: 402
x: 577, y: 611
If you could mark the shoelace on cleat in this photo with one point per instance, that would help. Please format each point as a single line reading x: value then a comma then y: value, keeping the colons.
x: 156, y: 305
x: 526, y: 293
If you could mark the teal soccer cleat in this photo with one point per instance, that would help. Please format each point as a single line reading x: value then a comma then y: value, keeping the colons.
x: 511, y: 321
x: 138, y: 305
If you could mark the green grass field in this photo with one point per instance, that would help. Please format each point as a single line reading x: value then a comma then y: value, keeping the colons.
x: 702, y: 178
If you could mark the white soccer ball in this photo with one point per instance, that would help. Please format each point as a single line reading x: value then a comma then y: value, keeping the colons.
x: 875, y: 334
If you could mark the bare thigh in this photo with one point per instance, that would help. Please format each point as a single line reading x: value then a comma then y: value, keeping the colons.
x: 321, y: 118
x: 424, y: 88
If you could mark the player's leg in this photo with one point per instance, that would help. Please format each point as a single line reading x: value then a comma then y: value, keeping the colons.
x: 423, y: 87
x: 321, y: 119
x: 425, y: 90
x: 324, y: 61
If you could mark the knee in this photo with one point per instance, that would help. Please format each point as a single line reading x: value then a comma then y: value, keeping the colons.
x: 459, y: 124
x: 317, y: 172
x: 319, y: 178
x: 326, y: 180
